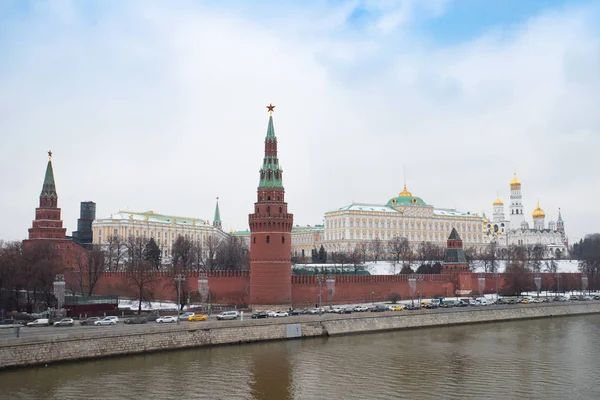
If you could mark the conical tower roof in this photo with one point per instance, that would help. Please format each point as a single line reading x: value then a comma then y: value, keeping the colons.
x: 49, y: 186
x: 454, y: 235
x: 217, y: 217
x: 271, y: 173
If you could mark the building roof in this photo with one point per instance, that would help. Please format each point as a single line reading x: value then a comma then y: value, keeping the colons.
x: 448, y: 212
x: 49, y: 187
x: 308, y: 228
x: 151, y: 216
x: 217, y: 218
x: 368, y: 207
x: 241, y: 233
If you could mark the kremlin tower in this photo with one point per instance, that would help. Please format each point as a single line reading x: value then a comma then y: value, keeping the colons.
x: 47, y: 224
x: 270, y: 234
x: 516, y: 203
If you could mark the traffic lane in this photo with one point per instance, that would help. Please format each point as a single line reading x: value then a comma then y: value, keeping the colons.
x: 32, y: 333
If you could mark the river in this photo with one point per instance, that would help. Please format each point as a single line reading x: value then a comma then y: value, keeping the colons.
x: 541, y: 359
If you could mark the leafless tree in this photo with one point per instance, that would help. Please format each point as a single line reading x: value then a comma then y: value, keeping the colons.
x: 232, y: 254
x: 115, y: 252
x: 141, y: 278
x: 182, y: 254
x: 211, y: 249
x: 376, y: 247
x: 89, y: 266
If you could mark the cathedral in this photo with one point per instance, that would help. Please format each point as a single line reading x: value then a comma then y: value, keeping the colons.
x: 515, y: 230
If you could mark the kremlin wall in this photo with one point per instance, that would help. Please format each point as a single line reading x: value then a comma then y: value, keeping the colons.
x: 270, y: 283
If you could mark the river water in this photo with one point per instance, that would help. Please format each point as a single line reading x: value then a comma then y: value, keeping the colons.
x: 542, y: 359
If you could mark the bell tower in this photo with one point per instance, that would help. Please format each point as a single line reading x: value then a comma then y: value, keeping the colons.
x: 270, y: 234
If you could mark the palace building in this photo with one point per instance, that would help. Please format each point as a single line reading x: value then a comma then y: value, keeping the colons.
x: 164, y: 229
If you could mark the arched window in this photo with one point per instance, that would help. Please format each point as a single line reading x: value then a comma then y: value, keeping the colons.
x: 268, y: 239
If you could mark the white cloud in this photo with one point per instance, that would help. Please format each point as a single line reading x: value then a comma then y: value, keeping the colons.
x: 152, y: 106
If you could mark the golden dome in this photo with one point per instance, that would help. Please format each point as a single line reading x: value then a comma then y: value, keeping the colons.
x: 515, y: 180
x: 405, y: 192
x: 498, y: 202
x: 538, y: 212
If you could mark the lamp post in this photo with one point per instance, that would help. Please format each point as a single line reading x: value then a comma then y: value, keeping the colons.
x: 203, y: 288
x: 330, y: 290
x: 496, y: 278
x: 584, y: 283
x: 320, y: 279
x: 537, y: 278
x: 420, y: 279
x: 372, y: 293
x: 179, y: 278
x: 557, y: 283
x: 59, y: 290
x: 412, y: 284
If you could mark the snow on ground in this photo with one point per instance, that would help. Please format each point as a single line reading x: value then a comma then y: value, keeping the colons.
x: 154, y: 305
x: 388, y: 268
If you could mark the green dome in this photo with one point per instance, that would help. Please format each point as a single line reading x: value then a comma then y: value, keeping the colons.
x: 405, y: 201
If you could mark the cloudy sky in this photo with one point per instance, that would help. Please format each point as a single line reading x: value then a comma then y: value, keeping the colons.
x: 161, y: 105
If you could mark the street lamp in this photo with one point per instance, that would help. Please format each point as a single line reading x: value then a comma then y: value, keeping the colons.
x: 496, y: 278
x: 320, y: 279
x: 59, y: 290
x: 420, y: 279
x: 330, y: 290
x: 203, y: 288
x: 412, y: 284
x: 179, y: 278
x: 537, y: 278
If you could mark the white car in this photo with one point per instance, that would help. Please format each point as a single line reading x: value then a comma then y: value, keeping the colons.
x: 271, y: 314
x: 474, y: 302
x: 106, y: 321
x: 64, y: 322
x: 361, y: 308
x: 229, y: 315
x: 39, y: 322
x: 281, y: 314
x: 316, y: 310
x: 484, y: 302
x: 166, y: 319
x: 186, y: 315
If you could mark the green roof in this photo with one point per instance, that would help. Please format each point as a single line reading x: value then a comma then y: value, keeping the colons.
x: 49, y: 187
x: 217, y: 218
x: 405, y: 201
x: 271, y: 173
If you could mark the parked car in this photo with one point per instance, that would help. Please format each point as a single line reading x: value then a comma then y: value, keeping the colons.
x: 167, y: 319
x: 271, y: 314
x: 89, y: 321
x: 7, y: 322
x: 65, y: 322
x: 259, y: 315
x: 396, y: 308
x: 114, y: 318
x: 361, y: 308
x: 281, y: 314
x: 136, y: 320
x: 335, y: 310
x: 39, y: 322
x: 379, y: 308
x: 347, y: 310
x: 412, y: 307
x: 485, y: 302
x: 316, y: 310
x: 296, y: 312
x: 197, y: 317
x: 105, y: 321
x: 473, y: 302
x: 229, y: 315
x: 560, y: 298
x: 186, y: 315
x: 462, y: 303
x: 153, y: 317
x: 448, y: 304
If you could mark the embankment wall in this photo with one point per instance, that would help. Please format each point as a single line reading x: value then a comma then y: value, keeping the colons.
x: 95, y: 344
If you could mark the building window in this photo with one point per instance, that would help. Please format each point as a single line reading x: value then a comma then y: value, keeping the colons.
x: 268, y: 238
x: 282, y: 239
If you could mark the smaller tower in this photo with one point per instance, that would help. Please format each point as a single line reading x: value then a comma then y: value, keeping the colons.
x: 217, y: 218
x: 498, y: 215
x: 560, y: 225
x: 539, y: 217
x: 454, y: 259
x: 516, y: 202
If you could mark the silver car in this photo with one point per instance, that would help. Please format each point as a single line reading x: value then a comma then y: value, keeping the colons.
x: 105, y: 321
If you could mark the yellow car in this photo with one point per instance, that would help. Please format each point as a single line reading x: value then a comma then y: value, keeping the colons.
x: 396, y: 308
x: 197, y: 317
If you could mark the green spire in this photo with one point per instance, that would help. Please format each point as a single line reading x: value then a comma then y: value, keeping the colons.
x: 217, y: 218
x: 271, y: 129
x: 49, y: 187
x: 271, y: 173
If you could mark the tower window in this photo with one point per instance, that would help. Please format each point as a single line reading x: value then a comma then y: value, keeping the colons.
x: 268, y: 210
x: 254, y: 239
x: 283, y: 239
x: 268, y: 238
x: 280, y: 210
x: 268, y: 198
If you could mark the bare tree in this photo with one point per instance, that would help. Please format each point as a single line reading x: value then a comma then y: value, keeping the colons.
x: 537, y: 254
x: 115, y: 252
x: 182, y: 254
x: 376, y: 247
x: 232, y: 254
x: 141, y: 277
x: 211, y: 248
x: 89, y: 266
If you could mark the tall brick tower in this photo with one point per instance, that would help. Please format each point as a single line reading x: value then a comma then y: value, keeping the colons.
x: 47, y: 224
x: 270, y: 234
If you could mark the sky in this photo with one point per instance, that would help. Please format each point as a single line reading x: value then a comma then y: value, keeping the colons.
x: 155, y: 105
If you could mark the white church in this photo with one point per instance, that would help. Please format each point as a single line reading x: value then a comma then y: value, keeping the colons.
x: 516, y: 230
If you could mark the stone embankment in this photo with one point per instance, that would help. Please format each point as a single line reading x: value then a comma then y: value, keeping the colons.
x: 63, y: 345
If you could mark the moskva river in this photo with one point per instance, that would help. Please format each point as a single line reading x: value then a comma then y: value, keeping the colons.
x: 542, y: 359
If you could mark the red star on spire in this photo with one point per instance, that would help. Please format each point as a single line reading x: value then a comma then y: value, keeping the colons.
x: 270, y: 108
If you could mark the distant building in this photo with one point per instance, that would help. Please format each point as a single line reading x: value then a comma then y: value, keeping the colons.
x: 87, y: 214
x: 164, y: 229
x: 517, y: 231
